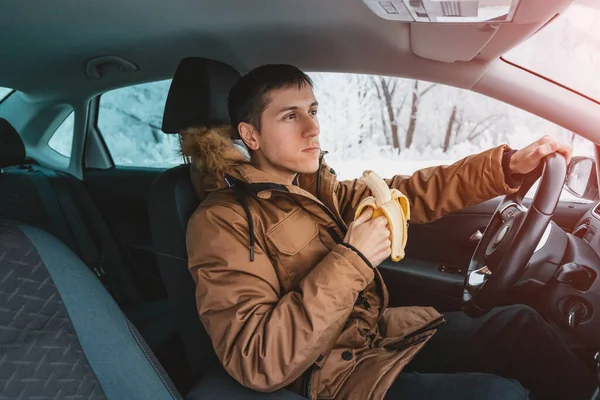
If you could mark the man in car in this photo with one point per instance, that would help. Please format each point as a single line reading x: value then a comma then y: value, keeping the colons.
x: 287, y: 284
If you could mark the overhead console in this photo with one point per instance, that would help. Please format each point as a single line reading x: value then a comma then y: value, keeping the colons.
x: 456, y: 11
x: 460, y: 30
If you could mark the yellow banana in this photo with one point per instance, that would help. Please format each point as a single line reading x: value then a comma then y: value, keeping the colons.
x: 391, y: 203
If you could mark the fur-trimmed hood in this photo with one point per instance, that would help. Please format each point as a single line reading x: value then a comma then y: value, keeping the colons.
x: 213, y: 154
x: 213, y: 150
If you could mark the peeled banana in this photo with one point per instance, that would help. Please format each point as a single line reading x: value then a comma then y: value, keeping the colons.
x: 391, y: 203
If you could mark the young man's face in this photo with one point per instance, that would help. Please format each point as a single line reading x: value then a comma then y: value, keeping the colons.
x: 288, y: 141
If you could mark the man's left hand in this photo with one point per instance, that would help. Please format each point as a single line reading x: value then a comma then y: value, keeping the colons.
x: 528, y: 158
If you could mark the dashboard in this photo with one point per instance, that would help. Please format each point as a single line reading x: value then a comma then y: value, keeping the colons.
x: 563, y: 274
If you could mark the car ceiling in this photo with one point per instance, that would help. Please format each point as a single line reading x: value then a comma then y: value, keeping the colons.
x: 45, y: 45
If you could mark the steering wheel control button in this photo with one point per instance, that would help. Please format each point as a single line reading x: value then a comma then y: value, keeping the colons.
x: 508, y: 214
x: 347, y: 355
x: 501, y: 235
x: 511, y: 210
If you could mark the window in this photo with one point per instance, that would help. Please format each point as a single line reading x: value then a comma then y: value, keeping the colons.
x: 566, y: 50
x: 4, y: 92
x: 62, y: 139
x: 130, y: 122
x: 397, y: 126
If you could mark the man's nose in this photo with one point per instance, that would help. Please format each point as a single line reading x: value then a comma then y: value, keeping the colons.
x: 311, y: 126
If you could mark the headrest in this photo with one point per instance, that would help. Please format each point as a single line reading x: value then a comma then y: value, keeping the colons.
x: 12, y: 149
x: 198, y: 94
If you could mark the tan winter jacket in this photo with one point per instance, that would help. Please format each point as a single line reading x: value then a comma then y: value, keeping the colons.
x: 284, y: 301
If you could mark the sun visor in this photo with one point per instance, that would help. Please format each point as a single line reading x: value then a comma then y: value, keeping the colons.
x: 450, y: 43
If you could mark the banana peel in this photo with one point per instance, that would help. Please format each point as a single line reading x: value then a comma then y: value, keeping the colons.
x: 390, y: 203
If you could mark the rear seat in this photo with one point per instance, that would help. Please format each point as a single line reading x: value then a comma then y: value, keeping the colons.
x: 60, y: 204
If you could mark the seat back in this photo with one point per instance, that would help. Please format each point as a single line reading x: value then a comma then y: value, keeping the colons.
x: 59, y: 203
x: 197, y: 97
x: 172, y: 201
x: 61, y: 333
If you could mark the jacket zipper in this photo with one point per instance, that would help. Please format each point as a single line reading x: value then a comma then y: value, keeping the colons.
x: 363, y: 301
x: 323, y: 206
x: 333, y: 217
x: 308, y: 382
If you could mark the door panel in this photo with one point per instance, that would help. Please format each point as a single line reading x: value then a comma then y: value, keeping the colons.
x: 121, y: 195
x: 438, y: 254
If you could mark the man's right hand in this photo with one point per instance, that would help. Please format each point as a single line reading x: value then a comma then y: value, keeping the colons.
x: 370, y: 236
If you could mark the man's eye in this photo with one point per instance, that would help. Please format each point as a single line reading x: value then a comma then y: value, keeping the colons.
x: 290, y: 116
x: 313, y: 112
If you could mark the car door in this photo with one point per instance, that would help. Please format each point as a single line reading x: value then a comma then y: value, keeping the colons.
x: 126, y: 126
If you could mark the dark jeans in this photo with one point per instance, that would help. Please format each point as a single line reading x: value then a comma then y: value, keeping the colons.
x: 510, y: 353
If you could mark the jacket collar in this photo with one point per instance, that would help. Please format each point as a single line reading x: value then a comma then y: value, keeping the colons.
x: 262, y: 183
x: 215, y: 154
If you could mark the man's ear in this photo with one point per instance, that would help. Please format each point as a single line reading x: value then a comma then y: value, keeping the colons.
x: 249, y: 135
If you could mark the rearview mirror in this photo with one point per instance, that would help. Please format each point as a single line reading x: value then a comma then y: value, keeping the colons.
x: 581, y: 178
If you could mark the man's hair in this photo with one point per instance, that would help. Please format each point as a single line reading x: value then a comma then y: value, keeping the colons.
x: 249, y: 98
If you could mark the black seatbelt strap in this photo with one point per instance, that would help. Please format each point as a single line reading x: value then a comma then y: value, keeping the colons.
x: 50, y: 203
x: 115, y: 265
x: 71, y: 214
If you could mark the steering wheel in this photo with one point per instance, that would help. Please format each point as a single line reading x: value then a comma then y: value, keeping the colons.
x: 511, y: 237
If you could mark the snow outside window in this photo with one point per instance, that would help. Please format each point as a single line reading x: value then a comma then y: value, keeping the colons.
x: 129, y: 121
x: 62, y: 139
x: 397, y: 126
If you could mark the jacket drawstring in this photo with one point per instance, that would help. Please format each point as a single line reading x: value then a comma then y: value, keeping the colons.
x: 242, y: 200
x: 319, y: 173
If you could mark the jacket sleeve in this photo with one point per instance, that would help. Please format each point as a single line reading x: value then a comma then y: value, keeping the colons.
x: 263, y: 337
x: 436, y: 191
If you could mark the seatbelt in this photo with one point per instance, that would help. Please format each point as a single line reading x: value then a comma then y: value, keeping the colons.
x: 89, y: 253
x: 115, y: 260
x: 50, y: 203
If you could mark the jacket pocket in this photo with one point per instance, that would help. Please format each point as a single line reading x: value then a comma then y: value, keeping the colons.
x: 334, y: 373
x: 415, y: 337
x: 293, y: 233
x: 296, y: 245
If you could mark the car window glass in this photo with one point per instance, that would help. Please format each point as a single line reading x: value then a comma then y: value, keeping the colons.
x: 397, y: 126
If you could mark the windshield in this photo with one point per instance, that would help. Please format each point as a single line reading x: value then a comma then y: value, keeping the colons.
x: 567, y: 50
